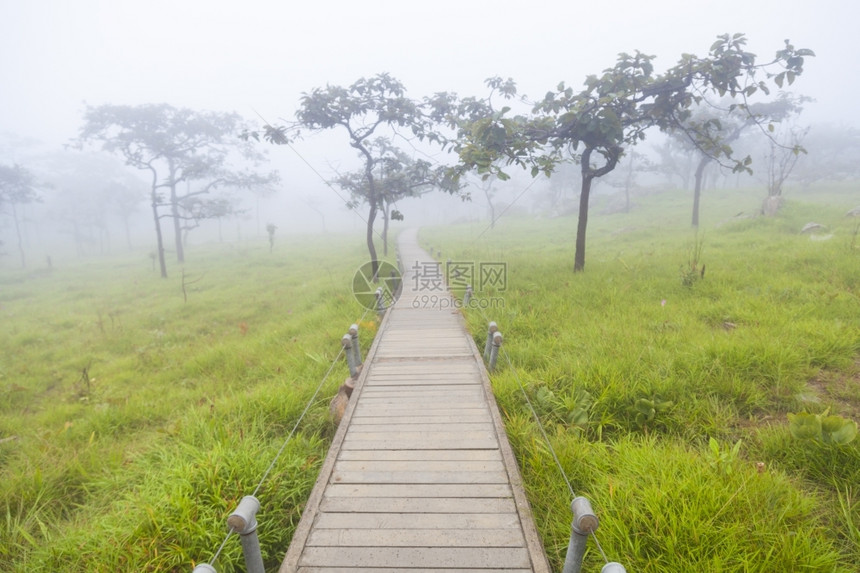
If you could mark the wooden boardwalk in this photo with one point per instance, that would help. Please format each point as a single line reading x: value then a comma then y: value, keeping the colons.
x: 420, y: 476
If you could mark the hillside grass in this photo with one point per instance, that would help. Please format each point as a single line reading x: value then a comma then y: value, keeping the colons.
x: 665, y: 393
x: 132, y: 422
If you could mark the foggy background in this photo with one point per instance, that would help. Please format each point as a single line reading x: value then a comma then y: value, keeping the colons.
x: 256, y: 58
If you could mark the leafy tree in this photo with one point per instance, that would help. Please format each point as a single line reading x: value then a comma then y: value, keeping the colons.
x: 398, y: 176
x: 362, y: 110
x: 18, y: 186
x: 175, y: 146
x: 615, y: 110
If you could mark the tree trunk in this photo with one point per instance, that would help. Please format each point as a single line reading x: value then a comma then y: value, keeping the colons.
x: 177, y: 227
x: 385, y: 208
x: 582, y: 223
x: 158, y: 237
x: 697, y: 193
x: 18, y: 236
x: 488, y: 195
x: 371, y: 248
x: 127, y: 227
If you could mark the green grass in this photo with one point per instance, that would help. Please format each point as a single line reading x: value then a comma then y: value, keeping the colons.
x: 135, y: 464
x: 773, y: 327
x: 133, y: 422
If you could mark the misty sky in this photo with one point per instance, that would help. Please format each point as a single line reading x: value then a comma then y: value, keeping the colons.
x: 258, y: 56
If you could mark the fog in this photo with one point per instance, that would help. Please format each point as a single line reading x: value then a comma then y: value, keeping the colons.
x: 257, y: 57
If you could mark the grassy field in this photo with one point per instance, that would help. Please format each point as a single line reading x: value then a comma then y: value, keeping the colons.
x: 132, y: 421
x: 666, y: 392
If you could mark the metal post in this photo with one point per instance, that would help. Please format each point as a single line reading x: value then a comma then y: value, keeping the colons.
x: 584, y: 523
x: 613, y: 567
x: 356, y: 348
x: 244, y: 522
x: 350, y: 356
x: 380, y: 300
x: 494, y: 350
x: 467, y: 296
x: 204, y: 568
x: 490, y: 330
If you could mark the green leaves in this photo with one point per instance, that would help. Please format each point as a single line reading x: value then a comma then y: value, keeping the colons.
x: 822, y: 428
x: 645, y: 410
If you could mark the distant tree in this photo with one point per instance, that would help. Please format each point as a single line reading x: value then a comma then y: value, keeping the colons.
x: 89, y: 189
x: 125, y: 196
x: 18, y: 186
x: 397, y: 177
x: 270, y: 229
x: 489, y: 190
x: 614, y: 111
x: 631, y: 165
x: 175, y: 146
x: 362, y: 110
x: 717, y: 126
x: 832, y: 154
x: 676, y: 161
x: 781, y: 160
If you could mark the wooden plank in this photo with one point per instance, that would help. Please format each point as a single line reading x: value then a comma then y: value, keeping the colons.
x: 419, y: 466
x: 432, y: 415
x: 405, y: 455
x: 333, y: 520
x: 420, y: 399
x: 410, y: 409
x: 409, y: 557
x: 430, y: 419
x: 443, y: 435
x: 418, y: 490
x: 418, y: 477
x: 420, y: 444
x: 416, y: 538
x: 398, y: 391
x: 392, y: 428
x: 417, y: 505
x: 396, y: 570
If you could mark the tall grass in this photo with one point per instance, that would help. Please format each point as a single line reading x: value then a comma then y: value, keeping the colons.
x: 666, y: 395
x: 133, y: 421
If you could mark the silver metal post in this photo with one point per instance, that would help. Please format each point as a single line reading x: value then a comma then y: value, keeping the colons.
x: 494, y: 349
x: 467, y: 296
x: 584, y: 523
x: 491, y: 329
x: 244, y: 522
x: 346, y: 341
x: 356, y: 348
